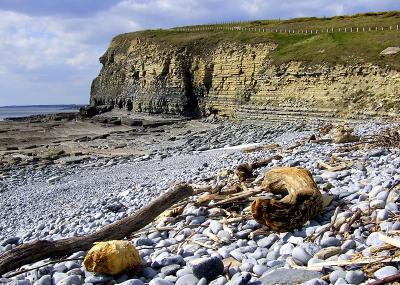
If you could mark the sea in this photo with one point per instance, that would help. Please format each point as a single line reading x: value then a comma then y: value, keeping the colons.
x: 25, y: 111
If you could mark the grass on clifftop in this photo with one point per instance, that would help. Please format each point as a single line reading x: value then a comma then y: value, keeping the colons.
x: 334, y: 48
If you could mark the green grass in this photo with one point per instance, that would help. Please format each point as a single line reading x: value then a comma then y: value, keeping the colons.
x: 337, y: 47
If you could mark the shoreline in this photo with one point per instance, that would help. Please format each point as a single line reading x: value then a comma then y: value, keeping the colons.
x: 90, y: 173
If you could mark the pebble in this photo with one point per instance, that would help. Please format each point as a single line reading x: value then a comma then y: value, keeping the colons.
x: 45, y: 280
x: 132, y: 282
x: 98, y: 278
x: 70, y: 280
x: 209, y: 267
x: 385, y: 272
x: 329, y: 241
x: 300, y: 255
x: 268, y: 241
x: 355, y: 277
x: 170, y: 269
x: 188, y: 279
x: 58, y: 276
x: 149, y: 272
x: 159, y: 281
x: 260, y: 269
x: 336, y: 274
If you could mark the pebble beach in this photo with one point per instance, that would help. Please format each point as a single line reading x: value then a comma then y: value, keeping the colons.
x: 205, y: 245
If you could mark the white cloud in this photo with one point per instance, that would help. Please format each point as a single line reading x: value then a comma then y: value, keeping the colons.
x: 58, y: 53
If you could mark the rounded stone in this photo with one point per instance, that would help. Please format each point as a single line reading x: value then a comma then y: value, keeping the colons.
x: 355, y: 277
x: 259, y: 269
x: 132, y: 282
x: 300, y: 255
x: 330, y: 241
x: 44, y: 280
x: 159, y: 281
x: 341, y: 281
x: 149, y: 272
x: 188, y: 279
x: 70, y: 280
x: 170, y: 269
x: 335, y: 275
x: 349, y: 244
x: 286, y: 249
x: 385, y: 272
x: 209, y: 267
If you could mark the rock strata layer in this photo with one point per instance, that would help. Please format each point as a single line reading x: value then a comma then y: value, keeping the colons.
x: 239, y: 81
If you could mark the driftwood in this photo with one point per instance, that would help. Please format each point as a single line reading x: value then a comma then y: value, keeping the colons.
x: 364, y: 260
x: 245, y: 171
x: 301, y: 199
x: 42, y: 249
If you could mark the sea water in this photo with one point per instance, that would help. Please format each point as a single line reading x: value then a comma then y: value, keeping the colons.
x: 25, y: 111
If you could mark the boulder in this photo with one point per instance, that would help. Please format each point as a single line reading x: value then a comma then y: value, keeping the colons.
x: 390, y: 51
x: 112, y: 257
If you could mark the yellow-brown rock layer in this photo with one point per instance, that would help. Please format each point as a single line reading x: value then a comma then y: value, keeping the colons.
x: 240, y: 81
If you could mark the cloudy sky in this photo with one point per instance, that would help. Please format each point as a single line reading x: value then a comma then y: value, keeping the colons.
x: 49, y: 49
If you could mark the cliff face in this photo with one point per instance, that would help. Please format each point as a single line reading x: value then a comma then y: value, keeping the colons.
x: 239, y: 81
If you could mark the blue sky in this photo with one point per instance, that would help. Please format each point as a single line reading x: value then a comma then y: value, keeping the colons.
x: 50, y: 48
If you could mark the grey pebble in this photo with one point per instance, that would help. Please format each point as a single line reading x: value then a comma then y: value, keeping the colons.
x: 132, y: 282
x: 209, y: 267
x: 188, y: 279
x: 385, y: 271
x: 159, y: 281
x: 355, y: 277
x: 44, y: 280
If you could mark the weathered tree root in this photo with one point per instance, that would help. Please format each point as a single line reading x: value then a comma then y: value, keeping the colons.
x: 42, y: 249
x: 245, y: 170
x: 301, y: 199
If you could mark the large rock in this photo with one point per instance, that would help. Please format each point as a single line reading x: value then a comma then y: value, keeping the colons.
x: 112, y: 257
x: 390, y: 51
x: 286, y: 276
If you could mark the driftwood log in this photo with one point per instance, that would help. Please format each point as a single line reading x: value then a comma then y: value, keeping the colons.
x: 42, y: 249
x: 301, y: 199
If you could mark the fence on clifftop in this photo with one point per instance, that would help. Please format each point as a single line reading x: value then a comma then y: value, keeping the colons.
x: 289, y: 31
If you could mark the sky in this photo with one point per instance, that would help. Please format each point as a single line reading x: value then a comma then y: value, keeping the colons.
x: 49, y: 49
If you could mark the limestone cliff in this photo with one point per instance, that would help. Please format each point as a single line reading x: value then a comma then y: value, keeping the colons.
x: 240, y: 81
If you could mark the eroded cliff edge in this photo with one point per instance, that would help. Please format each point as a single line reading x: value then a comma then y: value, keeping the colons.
x: 239, y: 80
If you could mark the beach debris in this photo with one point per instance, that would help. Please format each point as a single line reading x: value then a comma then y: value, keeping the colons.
x: 343, y: 134
x: 42, y: 249
x: 244, y: 171
x: 300, y: 199
x: 388, y: 138
x: 325, y: 129
x: 112, y: 257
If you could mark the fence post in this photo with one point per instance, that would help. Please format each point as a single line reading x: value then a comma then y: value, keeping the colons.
x: 382, y: 28
x: 357, y: 29
x: 351, y: 29
x: 397, y: 27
